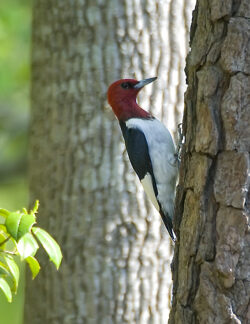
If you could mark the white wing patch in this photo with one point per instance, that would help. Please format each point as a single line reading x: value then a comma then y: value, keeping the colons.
x: 148, y: 188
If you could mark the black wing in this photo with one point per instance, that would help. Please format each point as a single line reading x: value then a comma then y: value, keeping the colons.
x: 137, y: 148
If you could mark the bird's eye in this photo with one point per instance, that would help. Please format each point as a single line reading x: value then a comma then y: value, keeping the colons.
x: 126, y: 85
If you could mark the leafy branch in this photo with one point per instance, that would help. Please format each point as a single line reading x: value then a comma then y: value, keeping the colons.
x: 19, y: 237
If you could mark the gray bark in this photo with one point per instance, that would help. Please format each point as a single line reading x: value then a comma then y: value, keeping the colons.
x: 211, y: 266
x: 116, y: 266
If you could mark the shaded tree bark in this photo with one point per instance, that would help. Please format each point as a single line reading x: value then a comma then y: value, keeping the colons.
x: 116, y: 266
x: 211, y: 265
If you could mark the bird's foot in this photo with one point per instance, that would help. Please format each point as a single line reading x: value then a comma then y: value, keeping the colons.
x: 180, y: 144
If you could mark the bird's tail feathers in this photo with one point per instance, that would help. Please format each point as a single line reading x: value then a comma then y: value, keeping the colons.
x: 169, y: 225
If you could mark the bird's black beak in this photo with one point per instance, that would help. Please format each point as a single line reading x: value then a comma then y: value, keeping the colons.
x: 142, y: 83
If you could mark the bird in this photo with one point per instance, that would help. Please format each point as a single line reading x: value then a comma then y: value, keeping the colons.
x: 150, y: 146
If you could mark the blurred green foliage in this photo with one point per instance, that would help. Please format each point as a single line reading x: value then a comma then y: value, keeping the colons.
x: 15, y: 26
x: 15, y: 30
x: 14, y: 55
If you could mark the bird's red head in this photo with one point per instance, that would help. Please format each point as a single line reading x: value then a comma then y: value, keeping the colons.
x: 122, y: 98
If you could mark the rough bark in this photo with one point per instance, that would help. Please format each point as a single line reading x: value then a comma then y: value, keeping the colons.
x: 211, y: 266
x: 116, y: 266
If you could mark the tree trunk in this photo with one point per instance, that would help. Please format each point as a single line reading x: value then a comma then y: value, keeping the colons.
x: 116, y: 265
x: 211, y: 264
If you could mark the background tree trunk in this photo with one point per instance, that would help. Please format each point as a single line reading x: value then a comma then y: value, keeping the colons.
x: 211, y: 265
x: 116, y: 266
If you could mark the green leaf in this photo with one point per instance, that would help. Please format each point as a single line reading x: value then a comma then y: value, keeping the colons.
x: 35, y: 208
x: 4, y: 270
x: 18, y: 224
x: 4, y: 212
x: 34, y: 266
x: 24, y: 210
x: 14, y: 270
x: 12, y: 223
x: 3, y: 239
x: 3, y: 228
x: 25, y: 225
x: 27, y: 246
x: 50, y: 245
x: 6, y: 289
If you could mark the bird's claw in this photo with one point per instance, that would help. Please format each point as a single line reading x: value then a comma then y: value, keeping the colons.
x: 180, y: 143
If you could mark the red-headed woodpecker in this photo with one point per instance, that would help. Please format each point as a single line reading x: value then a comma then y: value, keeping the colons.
x: 149, y: 144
